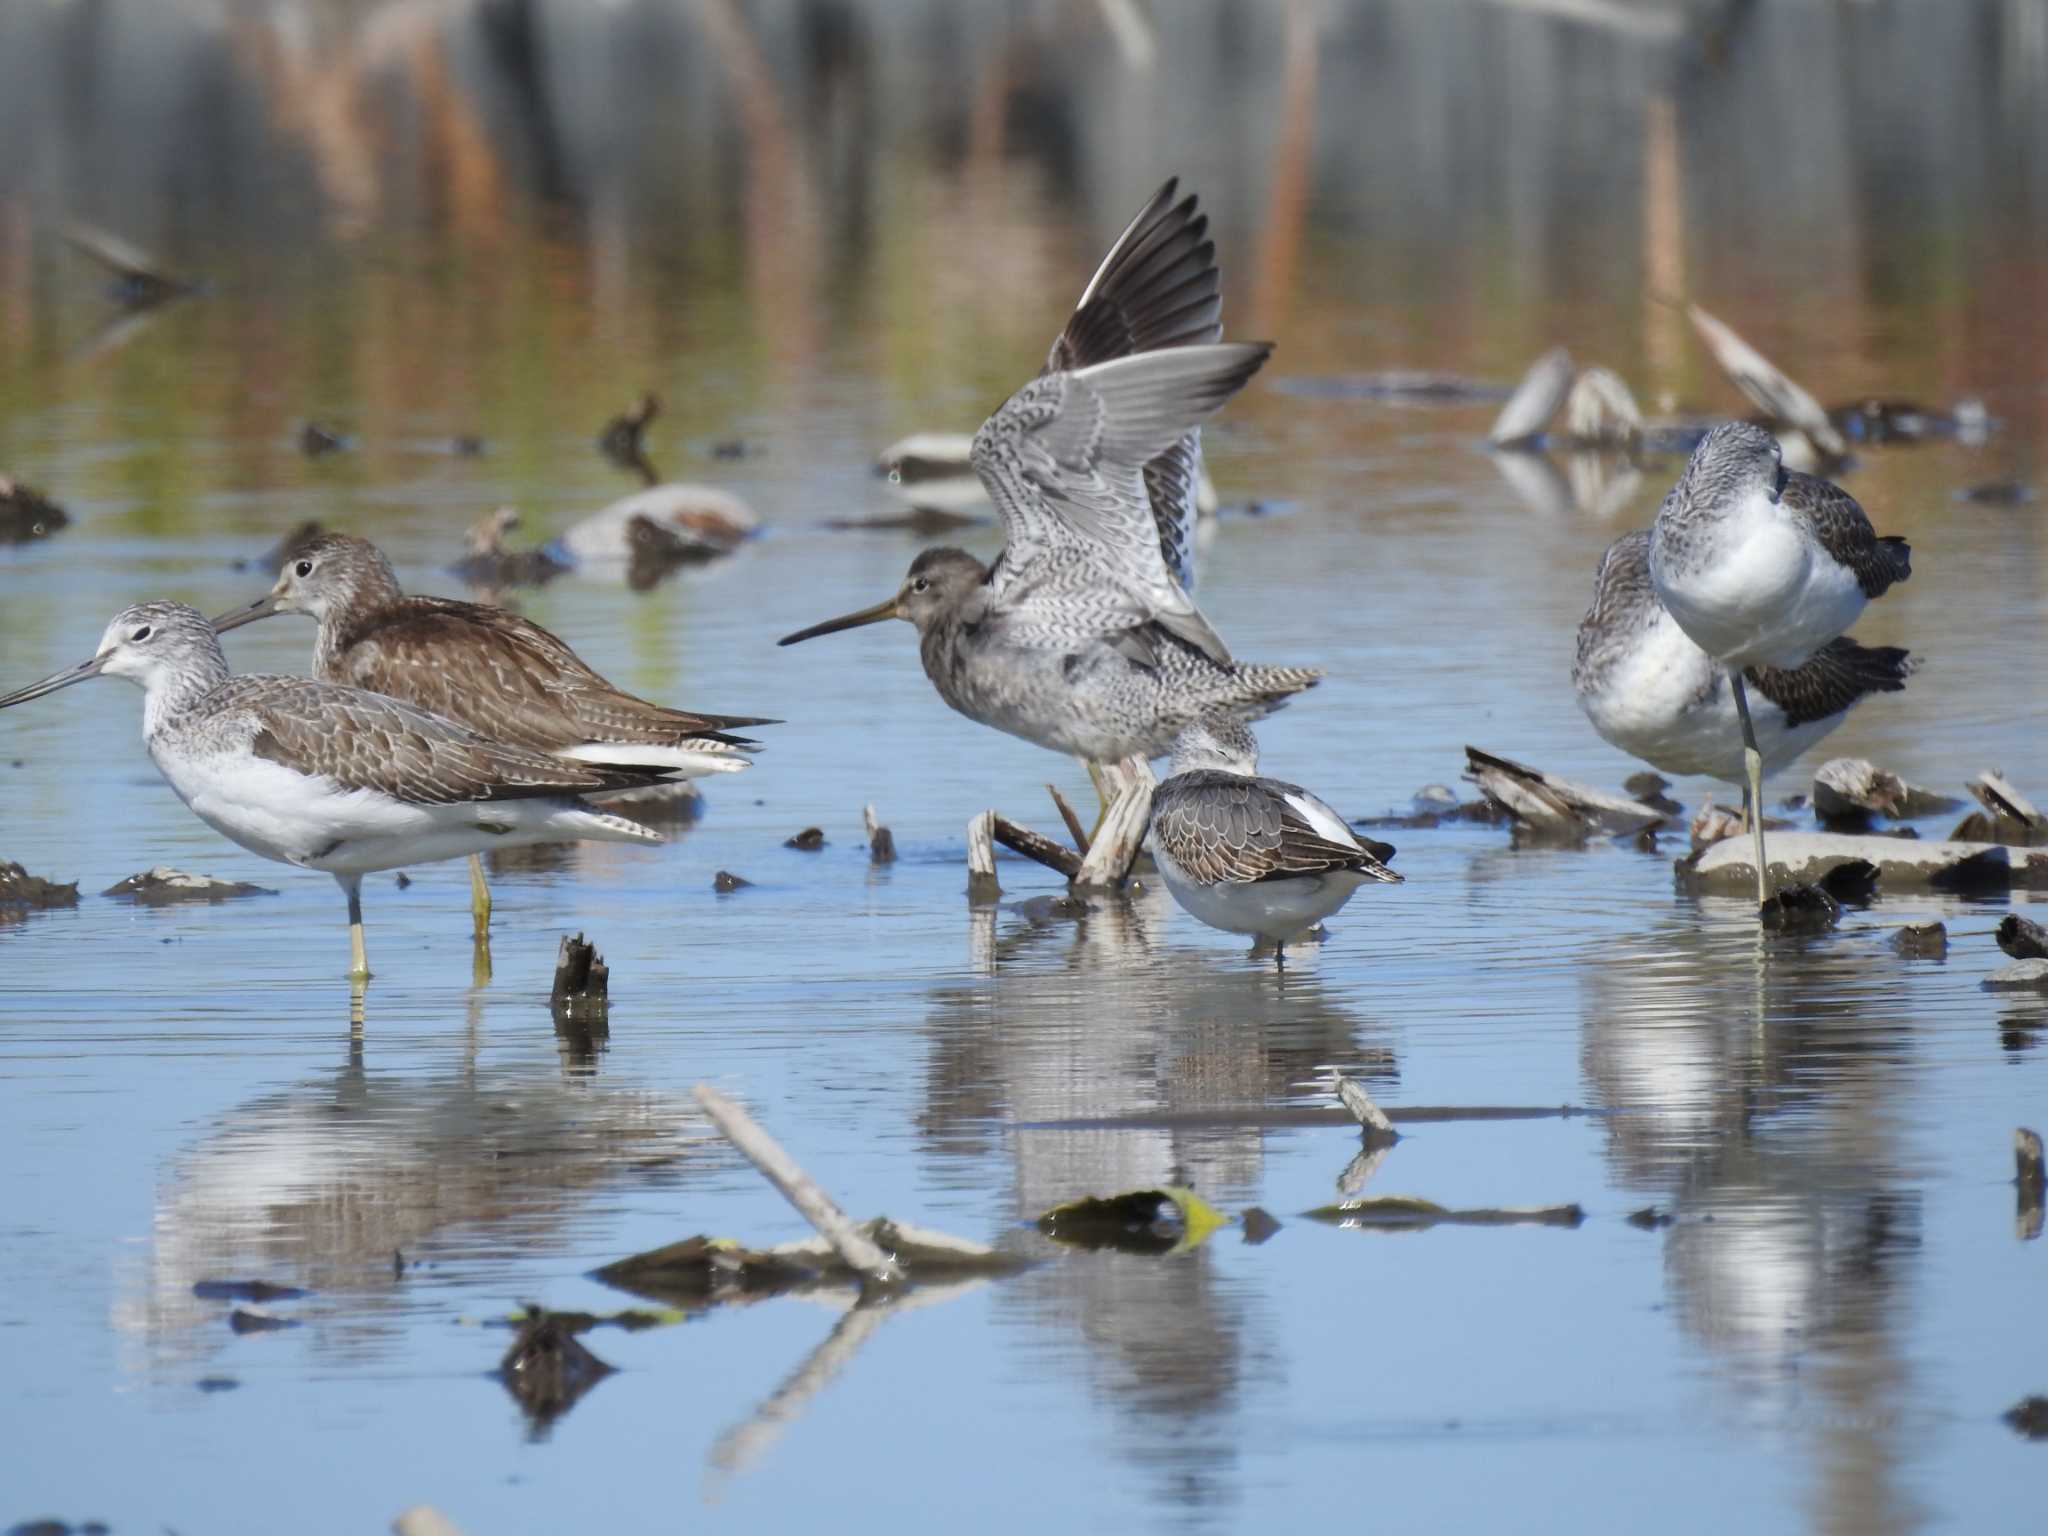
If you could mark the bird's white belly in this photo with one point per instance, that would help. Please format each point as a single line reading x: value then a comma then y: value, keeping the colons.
x: 1271, y: 909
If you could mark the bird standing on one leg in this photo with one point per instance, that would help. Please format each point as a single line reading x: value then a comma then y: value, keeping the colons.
x: 1249, y: 854
x: 1764, y: 566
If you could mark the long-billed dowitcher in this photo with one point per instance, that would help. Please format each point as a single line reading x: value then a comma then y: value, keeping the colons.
x: 1081, y: 637
x: 1653, y: 693
x: 335, y: 778
x: 1248, y: 854
x: 492, y: 671
x: 1762, y: 566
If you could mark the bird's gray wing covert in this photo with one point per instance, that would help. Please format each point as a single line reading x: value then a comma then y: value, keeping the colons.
x: 1063, y: 462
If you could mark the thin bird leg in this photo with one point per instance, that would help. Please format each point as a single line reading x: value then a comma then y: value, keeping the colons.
x: 479, y: 898
x: 358, y: 959
x: 1753, y: 764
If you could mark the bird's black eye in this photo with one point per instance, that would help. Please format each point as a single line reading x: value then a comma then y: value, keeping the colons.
x: 920, y: 585
x: 304, y: 568
x: 142, y: 633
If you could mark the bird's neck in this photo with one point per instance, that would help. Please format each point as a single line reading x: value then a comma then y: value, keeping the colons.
x: 171, y: 695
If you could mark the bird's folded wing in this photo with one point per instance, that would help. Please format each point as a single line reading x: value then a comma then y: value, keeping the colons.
x: 1835, y: 677
x: 365, y: 741
x: 1845, y: 532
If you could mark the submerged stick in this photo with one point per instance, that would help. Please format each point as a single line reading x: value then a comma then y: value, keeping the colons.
x: 881, y: 841
x: 2032, y: 1180
x: 981, y: 859
x: 1351, y: 1093
x: 1074, y: 828
x: 1033, y: 846
x: 799, y: 1189
x: 582, y: 982
x: 1121, y: 836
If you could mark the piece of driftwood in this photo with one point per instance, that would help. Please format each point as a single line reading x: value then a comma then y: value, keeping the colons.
x: 1725, y: 868
x: 1075, y: 830
x: 1352, y: 1095
x: 1766, y: 386
x: 2022, y: 938
x: 22, y: 892
x: 1848, y: 791
x: 1363, y: 1165
x: 2031, y: 1179
x: 1032, y: 845
x: 2020, y: 976
x: 1997, y: 796
x: 1535, y: 401
x: 1121, y: 837
x: 1407, y: 1213
x: 797, y: 1187
x: 881, y: 841
x: 981, y: 859
x: 1601, y: 411
x: 1553, y: 806
x: 1922, y: 941
x: 582, y: 987
x: 1165, y: 1220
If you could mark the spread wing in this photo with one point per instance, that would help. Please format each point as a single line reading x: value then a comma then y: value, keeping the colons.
x: 1224, y: 828
x: 365, y: 741
x: 1063, y: 462
x: 1844, y: 532
x: 516, y: 683
x: 1159, y: 286
x: 1837, y: 675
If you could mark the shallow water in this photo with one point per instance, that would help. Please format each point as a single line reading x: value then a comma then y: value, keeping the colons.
x: 815, y: 229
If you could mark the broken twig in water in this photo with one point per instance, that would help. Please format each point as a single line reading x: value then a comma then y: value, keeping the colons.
x: 981, y: 858
x: 1548, y: 804
x: 1032, y: 845
x: 881, y: 842
x: 2032, y: 1181
x: 582, y: 983
x: 1117, y: 842
x: 1074, y: 828
x: 799, y: 1189
x: 1352, y: 1095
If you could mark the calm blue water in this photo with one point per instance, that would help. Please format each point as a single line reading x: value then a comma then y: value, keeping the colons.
x: 1824, y: 1337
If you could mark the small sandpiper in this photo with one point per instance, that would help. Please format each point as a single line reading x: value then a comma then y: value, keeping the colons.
x: 1248, y: 854
x: 1653, y: 693
x: 1081, y: 637
x: 335, y: 778
x: 496, y: 673
x: 1763, y: 566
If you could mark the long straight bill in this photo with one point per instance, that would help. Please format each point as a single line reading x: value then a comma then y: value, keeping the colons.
x: 873, y: 615
x: 56, y: 680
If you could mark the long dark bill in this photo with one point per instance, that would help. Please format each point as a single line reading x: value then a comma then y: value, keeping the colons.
x: 873, y: 615
x: 56, y: 680
x: 235, y: 618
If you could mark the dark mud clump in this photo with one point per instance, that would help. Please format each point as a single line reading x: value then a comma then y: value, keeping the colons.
x: 22, y: 893
x: 548, y: 1369
x: 245, y: 1290
x: 1922, y: 941
x: 163, y: 886
x: 810, y: 840
x: 26, y: 514
x: 725, y: 882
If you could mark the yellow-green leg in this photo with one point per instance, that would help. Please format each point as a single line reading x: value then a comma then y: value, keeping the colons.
x: 1753, y: 766
x: 479, y: 898
x: 358, y: 957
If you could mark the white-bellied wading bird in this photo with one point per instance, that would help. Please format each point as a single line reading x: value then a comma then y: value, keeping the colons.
x: 1653, y: 693
x: 1248, y: 854
x: 1763, y: 566
x: 1081, y: 636
x: 333, y: 778
x: 501, y: 675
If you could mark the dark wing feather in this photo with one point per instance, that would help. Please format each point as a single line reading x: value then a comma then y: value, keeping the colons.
x: 1839, y: 673
x: 1159, y: 286
x: 514, y: 681
x: 1224, y: 828
x: 1844, y: 532
x: 363, y: 740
